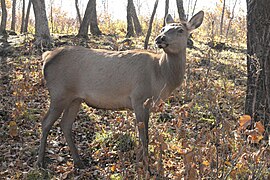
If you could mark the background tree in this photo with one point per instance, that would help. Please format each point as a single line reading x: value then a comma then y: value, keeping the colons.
x: 23, y: 15
x: 42, y: 31
x: 27, y: 16
x: 150, y: 25
x: 166, y: 10
x: 132, y: 20
x: 222, y: 18
x: 130, y: 29
x: 194, y: 6
x: 89, y: 18
x: 78, y: 12
x: 230, y: 20
x: 13, y: 17
x: 181, y: 10
x: 258, y: 61
x: 4, y: 18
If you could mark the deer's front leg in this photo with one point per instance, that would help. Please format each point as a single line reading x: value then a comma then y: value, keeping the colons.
x: 142, y: 117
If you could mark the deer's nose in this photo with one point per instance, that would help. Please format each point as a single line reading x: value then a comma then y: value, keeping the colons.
x: 160, y: 39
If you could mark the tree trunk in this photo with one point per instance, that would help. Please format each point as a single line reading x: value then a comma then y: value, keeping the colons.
x: 258, y: 61
x: 166, y: 10
x: 13, y: 19
x: 23, y: 14
x: 181, y: 10
x: 25, y: 29
x: 4, y: 18
x: 150, y: 26
x: 135, y: 19
x: 130, y: 29
x: 231, y: 18
x: 94, y: 29
x: 222, y: 18
x: 195, y: 3
x: 42, y: 31
x: 89, y: 18
x: 78, y: 12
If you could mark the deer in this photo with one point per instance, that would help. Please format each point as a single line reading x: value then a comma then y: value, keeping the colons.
x: 114, y: 80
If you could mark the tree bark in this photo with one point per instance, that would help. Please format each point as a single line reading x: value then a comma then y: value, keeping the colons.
x: 195, y: 3
x: 181, y: 10
x: 150, y: 25
x: 25, y: 29
x: 23, y: 14
x: 42, y: 31
x: 258, y: 61
x: 166, y: 10
x: 78, y: 12
x: 13, y: 19
x: 94, y: 29
x: 4, y: 18
x: 135, y: 19
x: 222, y: 18
x: 231, y: 18
x: 89, y: 18
x: 130, y: 28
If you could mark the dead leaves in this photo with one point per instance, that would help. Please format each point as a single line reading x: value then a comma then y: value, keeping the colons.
x: 13, y: 129
x: 254, y: 135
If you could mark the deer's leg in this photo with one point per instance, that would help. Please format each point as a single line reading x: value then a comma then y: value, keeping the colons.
x: 54, y: 112
x: 66, y: 123
x: 142, y: 117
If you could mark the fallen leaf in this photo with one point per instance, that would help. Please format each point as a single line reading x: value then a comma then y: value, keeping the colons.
x: 244, y: 121
x: 13, y: 129
x: 259, y: 127
x: 253, y: 136
x: 113, y: 168
x: 206, y: 163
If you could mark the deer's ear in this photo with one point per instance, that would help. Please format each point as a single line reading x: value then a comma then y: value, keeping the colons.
x: 195, y: 21
x: 169, y: 19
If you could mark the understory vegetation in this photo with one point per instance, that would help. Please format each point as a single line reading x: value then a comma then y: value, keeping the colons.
x: 199, y: 132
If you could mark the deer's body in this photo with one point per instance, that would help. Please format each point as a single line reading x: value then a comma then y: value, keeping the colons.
x: 113, y: 80
x: 109, y: 79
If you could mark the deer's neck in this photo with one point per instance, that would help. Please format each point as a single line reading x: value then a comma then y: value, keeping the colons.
x: 173, y: 69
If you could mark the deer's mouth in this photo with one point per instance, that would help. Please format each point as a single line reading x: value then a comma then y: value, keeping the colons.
x: 162, y: 45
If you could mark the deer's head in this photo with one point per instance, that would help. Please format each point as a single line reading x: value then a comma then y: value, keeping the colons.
x: 173, y: 36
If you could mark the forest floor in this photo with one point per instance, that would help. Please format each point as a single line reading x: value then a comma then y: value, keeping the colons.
x: 200, y: 132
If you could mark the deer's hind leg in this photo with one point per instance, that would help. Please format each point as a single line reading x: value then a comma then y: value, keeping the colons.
x: 66, y: 123
x: 55, y: 110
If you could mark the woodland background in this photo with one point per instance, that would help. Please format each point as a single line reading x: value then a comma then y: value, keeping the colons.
x: 204, y: 130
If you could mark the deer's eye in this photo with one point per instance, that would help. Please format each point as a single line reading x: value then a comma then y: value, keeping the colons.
x: 180, y: 30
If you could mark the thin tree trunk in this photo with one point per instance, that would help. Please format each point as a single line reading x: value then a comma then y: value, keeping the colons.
x: 222, y: 18
x: 25, y: 29
x: 258, y: 62
x: 89, y: 18
x: 130, y: 29
x: 181, y: 10
x: 78, y: 12
x: 23, y: 14
x: 150, y: 26
x: 13, y: 19
x: 94, y: 29
x: 42, y: 31
x: 231, y: 18
x: 189, y: 3
x: 194, y: 7
x: 166, y: 10
x: 51, y: 14
x: 84, y: 27
x: 135, y: 19
x: 4, y: 18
